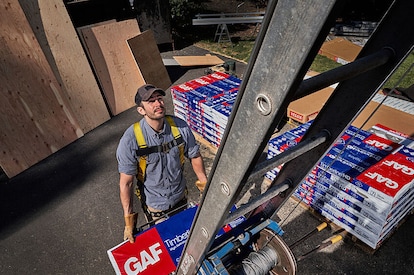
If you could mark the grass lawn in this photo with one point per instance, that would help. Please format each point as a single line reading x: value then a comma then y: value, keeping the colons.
x: 241, y: 50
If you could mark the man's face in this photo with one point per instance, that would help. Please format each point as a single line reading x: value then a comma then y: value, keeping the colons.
x: 154, y: 106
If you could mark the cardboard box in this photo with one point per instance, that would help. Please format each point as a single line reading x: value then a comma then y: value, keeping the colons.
x: 340, y: 50
x: 308, y: 107
x: 392, y: 118
x: 304, y: 109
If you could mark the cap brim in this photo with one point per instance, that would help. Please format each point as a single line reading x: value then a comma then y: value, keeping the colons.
x: 149, y: 93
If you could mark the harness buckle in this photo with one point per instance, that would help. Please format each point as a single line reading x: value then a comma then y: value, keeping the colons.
x: 166, y: 147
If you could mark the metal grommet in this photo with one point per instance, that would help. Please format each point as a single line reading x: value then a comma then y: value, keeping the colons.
x: 204, y: 231
x: 264, y: 104
x: 225, y: 188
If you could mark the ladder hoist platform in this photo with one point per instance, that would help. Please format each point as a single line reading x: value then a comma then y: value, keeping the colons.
x: 292, y: 32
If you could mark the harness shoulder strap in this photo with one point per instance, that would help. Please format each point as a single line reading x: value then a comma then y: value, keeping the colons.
x: 142, y: 165
x: 174, y: 128
x: 177, y: 135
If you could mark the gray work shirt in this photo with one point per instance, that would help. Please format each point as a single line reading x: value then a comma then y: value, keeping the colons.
x: 164, y: 184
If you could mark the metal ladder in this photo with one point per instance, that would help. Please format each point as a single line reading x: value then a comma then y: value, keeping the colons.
x: 290, y: 37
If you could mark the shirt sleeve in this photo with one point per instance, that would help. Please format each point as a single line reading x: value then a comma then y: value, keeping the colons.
x: 126, y: 153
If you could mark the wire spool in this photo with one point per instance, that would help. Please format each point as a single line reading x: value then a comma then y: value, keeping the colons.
x: 271, y: 256
x: 257, y: 263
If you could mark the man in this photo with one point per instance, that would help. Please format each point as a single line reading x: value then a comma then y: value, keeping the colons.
x: 160, y: 179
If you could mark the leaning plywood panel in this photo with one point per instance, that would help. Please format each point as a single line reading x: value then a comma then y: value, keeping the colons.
x: 198, y: 60
x: 82, y: 39
x: 35, y: 117
x: 57, y: 37
x: 113, y: 62
x: 148, y: 58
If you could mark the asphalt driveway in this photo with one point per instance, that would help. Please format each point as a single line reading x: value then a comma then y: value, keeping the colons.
x: 62, y: 215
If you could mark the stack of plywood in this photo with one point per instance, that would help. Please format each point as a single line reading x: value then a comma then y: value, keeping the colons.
x: 50, y: 94
x: 123, y: 59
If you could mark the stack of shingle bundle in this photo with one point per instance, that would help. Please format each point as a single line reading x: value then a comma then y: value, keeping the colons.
x: 283, y: 142
x: 205, y: 104
x: 364, y: 184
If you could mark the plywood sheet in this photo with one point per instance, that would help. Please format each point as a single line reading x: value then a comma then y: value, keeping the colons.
x: 35, y: 118
x: 207, y: 60
x: 113, y: 62
x: 66, y: 56
x: 148, y: 58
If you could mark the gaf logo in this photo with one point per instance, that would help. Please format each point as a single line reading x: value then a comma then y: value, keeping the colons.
x: 134, y: 265
x: 383, y: 180
x: 215, y: 75
x: 379, y: 145
x: 341, y: 141
x: 202, y: 81
x: 291, y: 143
x: 185, y: 87
x: 399, y: 167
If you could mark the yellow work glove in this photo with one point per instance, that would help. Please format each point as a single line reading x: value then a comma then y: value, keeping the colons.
x: 200, y: 185
x: 130, y: 224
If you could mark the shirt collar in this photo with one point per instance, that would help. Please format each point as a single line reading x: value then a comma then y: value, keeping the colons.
x: 155, y: 133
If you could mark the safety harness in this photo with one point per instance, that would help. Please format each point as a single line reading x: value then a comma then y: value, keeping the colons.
x: 143, y: 152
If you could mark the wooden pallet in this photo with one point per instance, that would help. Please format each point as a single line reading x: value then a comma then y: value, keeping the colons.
x: 349, y: 237
x: 213, y: 149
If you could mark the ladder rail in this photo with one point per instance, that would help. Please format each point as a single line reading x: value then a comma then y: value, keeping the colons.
x: 351, y: 96
x: 279, y: 63
x: 274, y: 75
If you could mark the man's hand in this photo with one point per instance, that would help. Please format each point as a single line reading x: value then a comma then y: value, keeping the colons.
x: 200, y: 185
x: 130, y: 224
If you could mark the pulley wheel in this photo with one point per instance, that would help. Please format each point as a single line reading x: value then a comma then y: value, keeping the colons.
x: 286, y: 264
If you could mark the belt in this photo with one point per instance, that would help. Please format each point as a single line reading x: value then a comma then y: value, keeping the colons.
x: 177, y: 206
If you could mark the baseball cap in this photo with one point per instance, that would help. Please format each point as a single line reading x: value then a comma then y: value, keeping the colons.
x: 144, y: 93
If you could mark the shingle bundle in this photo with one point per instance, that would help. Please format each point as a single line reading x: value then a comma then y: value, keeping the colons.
x: 205, y: 104
x: 364, y: 183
